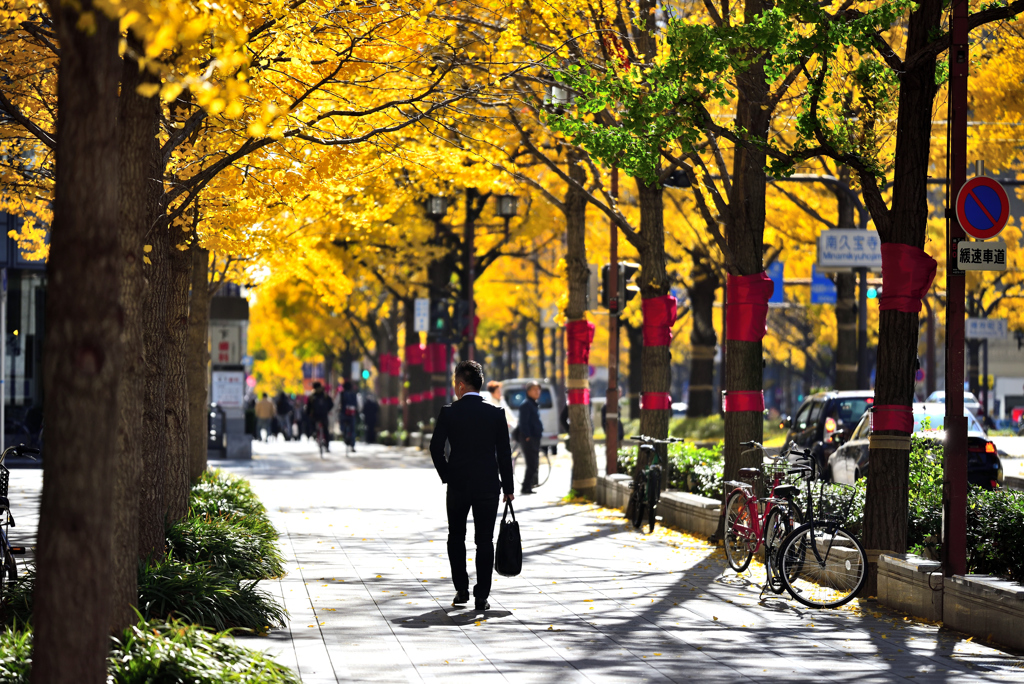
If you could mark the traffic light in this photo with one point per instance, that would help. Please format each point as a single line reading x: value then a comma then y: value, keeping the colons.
x: 627, y: 288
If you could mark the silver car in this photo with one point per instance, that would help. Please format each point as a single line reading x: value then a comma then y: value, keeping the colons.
x: 971, y: 402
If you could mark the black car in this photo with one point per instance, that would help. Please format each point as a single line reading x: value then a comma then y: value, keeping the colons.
x: 825, y: 420
x: 984, y: 468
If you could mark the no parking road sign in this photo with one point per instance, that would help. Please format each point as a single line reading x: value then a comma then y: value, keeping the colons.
x: 982, y: 207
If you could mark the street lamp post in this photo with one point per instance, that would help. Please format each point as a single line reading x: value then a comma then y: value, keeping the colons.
x: 508, y: 206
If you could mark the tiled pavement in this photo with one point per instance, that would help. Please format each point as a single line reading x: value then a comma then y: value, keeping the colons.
x: 369, y: 599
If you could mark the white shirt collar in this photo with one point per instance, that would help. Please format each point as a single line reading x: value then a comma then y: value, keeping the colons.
x: 471, y: 394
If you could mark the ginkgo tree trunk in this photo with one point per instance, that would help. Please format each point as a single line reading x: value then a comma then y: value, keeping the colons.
x: 83, y: 358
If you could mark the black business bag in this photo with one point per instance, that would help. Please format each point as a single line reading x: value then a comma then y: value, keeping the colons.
x: 508, y: 556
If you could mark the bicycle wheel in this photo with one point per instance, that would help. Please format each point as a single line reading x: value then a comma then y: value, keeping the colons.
x: 543, y: 469
x: 639, y: 503
x: 518, y: 467
x: 822, y: 565
x: 776, y: 529
x: 653, y: 493
x: 739, y: 532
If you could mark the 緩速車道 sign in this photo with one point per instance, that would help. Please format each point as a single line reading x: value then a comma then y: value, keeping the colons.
x: 842, y: 249
x: 985, y: 328
x: 981, y: 256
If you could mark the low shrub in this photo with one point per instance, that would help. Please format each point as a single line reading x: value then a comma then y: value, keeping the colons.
x: 690, y: 468
x: 995, y: 533
x: 160, y: 653
x: 178, y: 652
x: 17, y: 601
x: 242, y: 547
x: 224, y: 496
x: 709, y: 427
x: 205, y: 595
x: 15, y: 656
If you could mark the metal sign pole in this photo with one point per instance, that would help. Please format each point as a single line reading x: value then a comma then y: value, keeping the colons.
x: 954, y: 490
x: 3, y: 359
x: 612, y: 401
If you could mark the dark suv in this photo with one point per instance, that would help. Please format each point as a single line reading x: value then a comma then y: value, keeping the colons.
x: 825, y: 420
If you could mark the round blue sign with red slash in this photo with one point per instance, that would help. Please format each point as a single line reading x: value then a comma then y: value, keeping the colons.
x: 982, y: 207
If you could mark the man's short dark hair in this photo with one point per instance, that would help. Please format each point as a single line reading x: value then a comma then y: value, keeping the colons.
x: 471, y: 373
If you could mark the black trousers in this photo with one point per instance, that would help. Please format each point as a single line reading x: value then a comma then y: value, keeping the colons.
x: 531, y: 452
x: 485, y: 510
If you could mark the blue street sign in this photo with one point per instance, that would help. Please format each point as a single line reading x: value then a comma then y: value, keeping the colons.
x: 823, y: 290
x: 774, y: 272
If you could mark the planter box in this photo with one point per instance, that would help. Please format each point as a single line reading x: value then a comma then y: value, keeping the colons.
x: 613, y: 491
x: 986, y: 607
x: 689, y: 512
x: 906, y: 583
x: 695, y: 514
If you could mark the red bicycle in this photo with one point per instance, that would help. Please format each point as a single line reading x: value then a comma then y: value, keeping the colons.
x: 752, y: 521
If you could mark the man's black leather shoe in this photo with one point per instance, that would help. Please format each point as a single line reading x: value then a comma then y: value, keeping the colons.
x: 482, y: 605
x: 525, y: 492
x: 461, y: 597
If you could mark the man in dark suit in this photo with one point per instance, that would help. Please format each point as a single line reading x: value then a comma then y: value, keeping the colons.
x: 478, y: 468
x: 531, y: 430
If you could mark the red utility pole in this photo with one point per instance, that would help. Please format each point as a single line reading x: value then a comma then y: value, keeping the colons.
x: 954, y: 470
x: 612, y: 401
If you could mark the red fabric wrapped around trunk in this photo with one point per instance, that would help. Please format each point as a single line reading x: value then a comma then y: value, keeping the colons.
x: 659, y: 316
x: 578, y: 336
x: 414, y: 354
x: 892, y: 417
x: 428, y: 358
x: 655, y: 401
x: 441, y: 358
x: 579, y: 396
x: 907, y: 273
x: 747, y: 316
x: 441, y: 392
x: 743, y: 400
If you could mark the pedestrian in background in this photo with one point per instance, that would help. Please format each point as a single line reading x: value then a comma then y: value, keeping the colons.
x: 371, y: 413
x: 265, y: 413
x: 349, y: 414
x: 494, y: 398
x: 477, y: 469
x: 284, y: 414
x: 530, y: 432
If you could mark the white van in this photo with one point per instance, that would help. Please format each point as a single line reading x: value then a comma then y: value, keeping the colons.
x: 514, y: 391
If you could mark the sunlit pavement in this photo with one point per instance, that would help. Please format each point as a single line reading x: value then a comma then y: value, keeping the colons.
x: 369, y: 596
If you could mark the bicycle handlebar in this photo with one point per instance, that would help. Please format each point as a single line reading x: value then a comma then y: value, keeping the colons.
x: 20, y: 450
x: 654, y: 440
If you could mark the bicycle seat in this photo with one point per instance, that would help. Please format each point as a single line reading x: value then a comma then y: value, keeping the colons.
x: 750, y: 472
x: 786, y: 491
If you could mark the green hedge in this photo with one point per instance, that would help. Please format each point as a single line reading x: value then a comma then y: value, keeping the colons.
x: 690, y: 468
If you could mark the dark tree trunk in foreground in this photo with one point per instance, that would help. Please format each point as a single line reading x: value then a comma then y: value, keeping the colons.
x: 702, y: 337
x: 846, y: 298
x: 82, y: 360
x: 152, y: 502
x: 581, y: 431
x: 197, y: 359
x: 656, y: 374
x: 176, y: 408
x: 885, y: 508
x: 744, y: 232
x: 138, y: 126
x: 846, y: 331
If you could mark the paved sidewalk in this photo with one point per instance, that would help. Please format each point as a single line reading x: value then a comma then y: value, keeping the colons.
x: 369, y: 598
